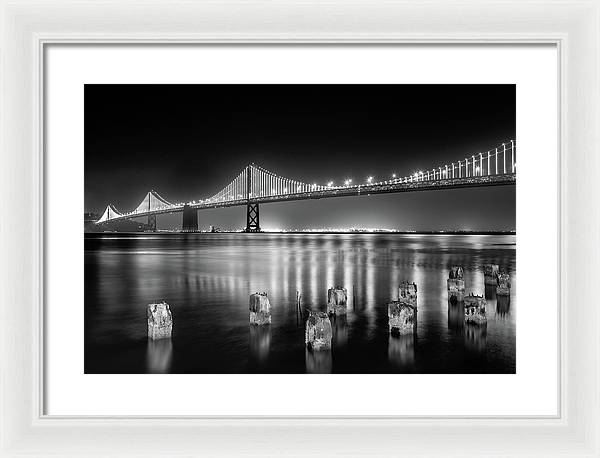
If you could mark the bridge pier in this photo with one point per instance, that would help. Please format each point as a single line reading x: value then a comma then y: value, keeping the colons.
x: 190, y: 219
x: 152, y: 223
x: 252, y: 218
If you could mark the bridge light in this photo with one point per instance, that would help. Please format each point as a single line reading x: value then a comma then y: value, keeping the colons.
x: 330, y: 184
x: 369, y: 180
x: 393, y: 175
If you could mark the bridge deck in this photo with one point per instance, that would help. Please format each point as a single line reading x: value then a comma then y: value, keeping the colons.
x: 345, y: 191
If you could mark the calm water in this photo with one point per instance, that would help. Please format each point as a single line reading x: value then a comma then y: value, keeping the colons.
x: 207, y: 278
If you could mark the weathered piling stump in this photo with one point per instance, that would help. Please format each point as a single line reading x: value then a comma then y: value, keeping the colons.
x: 456, y: 285
x: 160, y: 320
x: 337, y: 300
x: 456, y: 272
x: 490, y: 274
x: 260, y: 309
x: 402, y: 317
x: 318, y: 332
x: 503, y: 288
x: 407, y: 291
x: 475, y: 309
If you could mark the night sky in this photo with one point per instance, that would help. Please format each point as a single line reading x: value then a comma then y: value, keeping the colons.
x: 188, y: 141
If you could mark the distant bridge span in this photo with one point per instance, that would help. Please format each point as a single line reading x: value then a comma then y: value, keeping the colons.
x: 256, y: 185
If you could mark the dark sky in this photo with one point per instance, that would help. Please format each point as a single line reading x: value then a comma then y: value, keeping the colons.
x: 189, y: 141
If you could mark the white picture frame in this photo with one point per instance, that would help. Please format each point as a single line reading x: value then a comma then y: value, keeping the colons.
x: 29, y: 26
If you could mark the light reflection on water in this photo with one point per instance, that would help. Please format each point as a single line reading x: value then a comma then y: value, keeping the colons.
x: 207, y: 278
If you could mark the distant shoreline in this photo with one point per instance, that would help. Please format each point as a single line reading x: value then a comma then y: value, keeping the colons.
x: 96, y: 234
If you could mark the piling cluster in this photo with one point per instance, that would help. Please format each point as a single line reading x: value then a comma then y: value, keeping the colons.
x: 496, y: 277
x: 474, y: 305
x: 319, y: 326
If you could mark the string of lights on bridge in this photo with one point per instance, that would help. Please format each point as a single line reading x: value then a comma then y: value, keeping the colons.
x: 255, y: 182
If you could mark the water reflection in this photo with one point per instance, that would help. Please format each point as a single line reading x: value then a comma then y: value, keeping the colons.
x: 339, y: 326
x: 490, y: 292
x: 158, y: 356
x: 318, y: 362
x: 259, y: 344
x: 503, y: 305
x: 456, y: 316
x: 401, y: 350
x: 475, y: 338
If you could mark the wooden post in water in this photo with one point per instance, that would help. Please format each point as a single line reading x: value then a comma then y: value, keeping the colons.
x: 298, y: 307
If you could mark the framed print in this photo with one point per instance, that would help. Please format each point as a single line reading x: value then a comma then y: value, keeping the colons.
x: 272, y: 241
x: 370, y: 225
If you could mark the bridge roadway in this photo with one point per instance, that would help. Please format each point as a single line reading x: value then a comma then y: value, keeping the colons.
x: 343, y: 191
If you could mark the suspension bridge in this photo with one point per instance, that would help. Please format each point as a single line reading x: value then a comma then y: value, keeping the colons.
x: 255, y: 185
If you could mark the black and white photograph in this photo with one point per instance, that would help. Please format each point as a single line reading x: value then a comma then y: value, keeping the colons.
x: 300, y: 229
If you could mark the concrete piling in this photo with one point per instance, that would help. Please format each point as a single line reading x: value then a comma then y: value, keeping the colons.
x: 503, y: 288
x: 456, y: 285
x: 402, y: 317
x: 318, y: 333
x: 407, y: 291
x: 475, y: 309
x: 260, y: 309
x: 337, y: 300
x: 456, y: 273
x: 160, y: 320
x: 490, y: 274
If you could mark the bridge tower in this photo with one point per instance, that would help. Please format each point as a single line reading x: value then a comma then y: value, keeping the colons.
x: 190, y: 219
x: 252, y: 213
x: 152, y: 223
